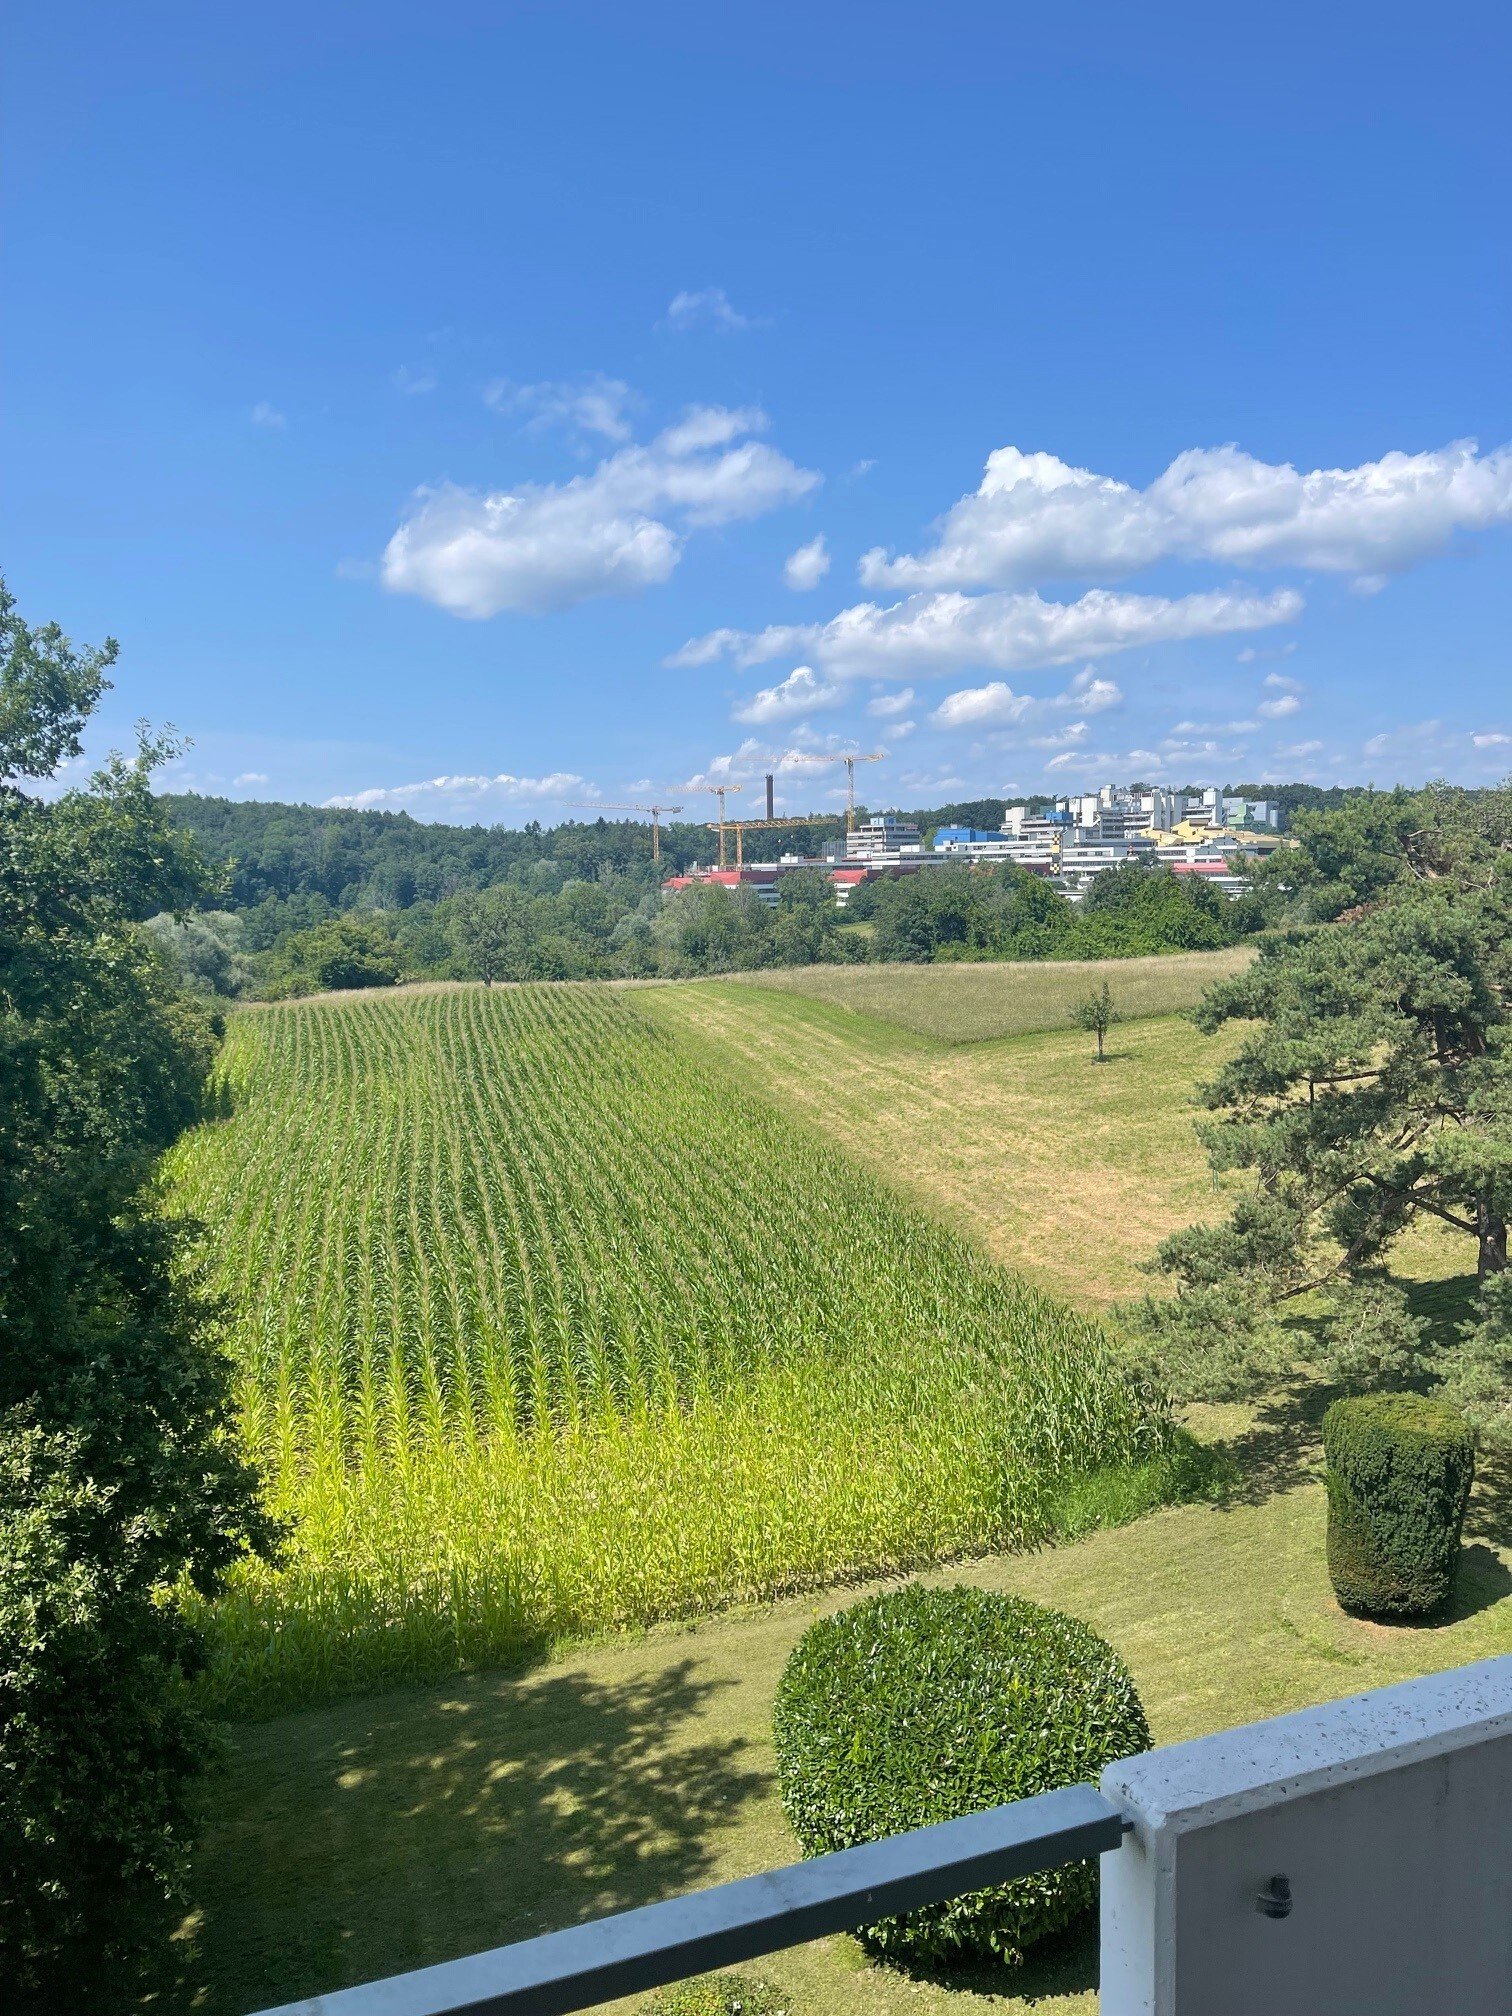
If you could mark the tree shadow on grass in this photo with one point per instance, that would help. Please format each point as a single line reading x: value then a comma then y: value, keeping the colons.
x: 372, y: 1837
x: 1280, y: 1447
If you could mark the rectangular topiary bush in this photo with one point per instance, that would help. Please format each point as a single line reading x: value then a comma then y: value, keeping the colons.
x: 1400, y: 1469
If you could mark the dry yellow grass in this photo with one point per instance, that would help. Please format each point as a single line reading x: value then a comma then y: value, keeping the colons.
x: 1068, y: 1171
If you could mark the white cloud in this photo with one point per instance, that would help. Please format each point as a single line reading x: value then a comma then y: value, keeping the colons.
x: 550, y: 545
x: 990, y: 706
x: 705, y: 305
x: 413, y: 384
x: 595, y: 405
x: 802, y: 692
x: 264, y: 415
x: 1034, y: 517
x: 900, y: 730
x: 1105, y: 764
x: 1282, y: 683
x: 996, y: 705
x: 1491, y: 739
x: 1089, y: 694
x: 804, y: 753
x: 807, y: 566
x: 1298, y: 749
x: 926, y: 634
x: 468, y: 789
x: 887, y: 704
x: 1280, y: 707
x: 1251, y: 654
x: 251, y: 777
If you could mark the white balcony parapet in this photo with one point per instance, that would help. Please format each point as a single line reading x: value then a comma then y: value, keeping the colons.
x: 1350, y: 1860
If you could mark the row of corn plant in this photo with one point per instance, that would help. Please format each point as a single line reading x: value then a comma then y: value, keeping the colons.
x: 542, y: 1329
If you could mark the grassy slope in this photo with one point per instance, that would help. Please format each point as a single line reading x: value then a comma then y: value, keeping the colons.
x: 1068, y: 1171
x: 972, y: 1004
x: 385, y: 1833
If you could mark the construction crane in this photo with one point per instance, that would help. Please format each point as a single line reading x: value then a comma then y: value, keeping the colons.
x: 740, y: 827
x: 850, y: 763
x: 656, y: 811
x: 719, y: 791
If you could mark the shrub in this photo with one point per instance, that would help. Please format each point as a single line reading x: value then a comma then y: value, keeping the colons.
x: 1399, y: 1473
x: 720, y: 1995
x: 925, y: 1704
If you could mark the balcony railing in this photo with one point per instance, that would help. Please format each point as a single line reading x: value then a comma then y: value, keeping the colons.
x: 661, y: 1943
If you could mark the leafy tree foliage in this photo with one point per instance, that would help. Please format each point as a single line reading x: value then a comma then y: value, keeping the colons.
x: 1096, y: 1013
x: 1372, y: 1088
x: 119, y: 1488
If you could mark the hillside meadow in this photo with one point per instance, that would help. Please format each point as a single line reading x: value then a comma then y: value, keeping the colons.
x: 1065, y: 1171
x: 976, y: 1002
x: 544, y: 1326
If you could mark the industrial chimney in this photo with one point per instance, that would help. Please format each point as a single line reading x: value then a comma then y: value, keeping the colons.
x: 769, y: 794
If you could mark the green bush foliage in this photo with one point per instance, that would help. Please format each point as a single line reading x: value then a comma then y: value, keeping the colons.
x: 720, y: 1995
x: 922, y: 1705
x: 1400, y: 1468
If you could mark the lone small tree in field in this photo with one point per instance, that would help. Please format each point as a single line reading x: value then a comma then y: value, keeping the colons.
x: 1097, y: 1014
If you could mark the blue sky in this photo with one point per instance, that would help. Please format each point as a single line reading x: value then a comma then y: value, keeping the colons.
x: 581, y: 401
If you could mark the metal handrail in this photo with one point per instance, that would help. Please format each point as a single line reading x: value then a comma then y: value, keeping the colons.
x: 635, y: 1950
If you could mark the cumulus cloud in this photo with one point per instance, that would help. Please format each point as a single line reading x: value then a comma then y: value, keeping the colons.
x: 1282, y: 683
x: 251, y: 777
x: 412, y: 383
x: 595, y: 405
x: 808, y: 565
x: 1298, y: 749
x: 709, y: 307
x: 926, y: 634
x: 803, y: 752
x: 1108, y: 763
x: 802, y: 692
x: 559, y: 786
x: 996, y: 705
x: 1280, y: 707
x: 614, y: 531
x: 887, y: 704
x: 264, y: 415
x: 991, y: 706
x: 1034, y: 517
x: 1492, y: 738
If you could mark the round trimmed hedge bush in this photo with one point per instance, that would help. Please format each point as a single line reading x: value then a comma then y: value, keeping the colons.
x: 1400, y: 1467
x: 926, y: 1704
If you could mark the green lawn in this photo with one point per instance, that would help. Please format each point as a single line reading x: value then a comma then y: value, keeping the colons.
x: 392, y: 1831
x: 974, y: 1003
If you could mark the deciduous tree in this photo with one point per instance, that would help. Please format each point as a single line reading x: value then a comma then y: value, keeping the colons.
x: 120, y: 1489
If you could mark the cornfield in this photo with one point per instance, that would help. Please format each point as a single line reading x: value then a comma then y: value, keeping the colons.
x: 541, y: 1329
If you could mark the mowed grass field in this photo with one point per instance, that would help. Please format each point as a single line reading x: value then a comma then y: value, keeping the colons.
x: 976, y: 1003
x: 545, y: 1326
x: 1066, y: 1171
x: 386, y: 1833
